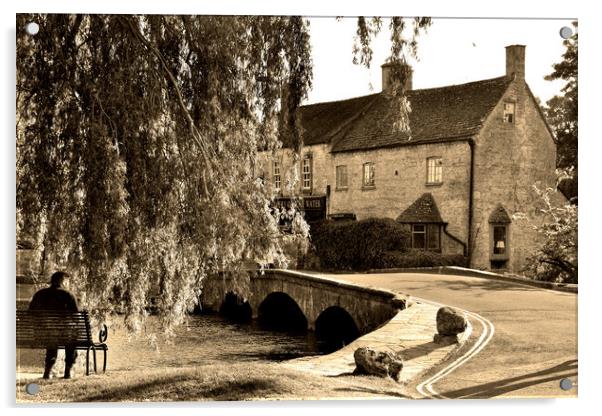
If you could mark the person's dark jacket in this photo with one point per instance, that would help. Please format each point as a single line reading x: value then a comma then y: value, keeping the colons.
x: 53, y: 298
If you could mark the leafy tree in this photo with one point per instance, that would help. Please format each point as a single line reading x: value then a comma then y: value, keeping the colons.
x: 137, y: 143
x: 555, y: 258
x: 562, y: 111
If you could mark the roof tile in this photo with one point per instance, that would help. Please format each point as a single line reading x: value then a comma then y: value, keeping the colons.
x: 499, y: 216
x: 423, y: 210
x: 366, y: 122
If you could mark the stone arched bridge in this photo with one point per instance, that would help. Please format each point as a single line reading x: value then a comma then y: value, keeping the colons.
x: 321, y: 301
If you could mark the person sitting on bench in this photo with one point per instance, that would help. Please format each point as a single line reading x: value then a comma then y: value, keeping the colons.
x: 56, y: 298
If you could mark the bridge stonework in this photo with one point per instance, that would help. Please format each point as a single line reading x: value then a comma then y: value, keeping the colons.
x: 368, y: 307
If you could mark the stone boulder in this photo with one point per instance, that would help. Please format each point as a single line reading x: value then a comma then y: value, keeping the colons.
x: 450, y: 323
x: 377, y: 363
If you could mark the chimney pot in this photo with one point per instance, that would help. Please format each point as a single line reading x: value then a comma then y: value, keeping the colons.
x: 515, y: 61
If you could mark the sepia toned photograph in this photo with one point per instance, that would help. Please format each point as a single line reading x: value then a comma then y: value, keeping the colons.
x: 259, y: 207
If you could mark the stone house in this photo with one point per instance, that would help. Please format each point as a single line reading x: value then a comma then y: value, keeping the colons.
x: 467, y: 165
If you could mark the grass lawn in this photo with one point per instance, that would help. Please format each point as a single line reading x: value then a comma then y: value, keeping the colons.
x: 240, y: 381
x: 208, y: 361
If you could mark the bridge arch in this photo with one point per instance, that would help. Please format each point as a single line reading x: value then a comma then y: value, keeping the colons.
x: 236, y: 308
x: 279, y: 311
x: 335, y: 328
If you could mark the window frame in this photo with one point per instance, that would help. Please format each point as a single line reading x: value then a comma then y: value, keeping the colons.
x: 372, y: 172
x: 277, y: 175
x: 512, y: 118
x: 492, y: 241
x: 437, y: 170
x: 309, y: 173
x: 427, y: 230
x: 339, y: 176
x: 423, y: 233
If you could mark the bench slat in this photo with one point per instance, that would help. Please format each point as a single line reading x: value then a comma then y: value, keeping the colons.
x: 44, y: 329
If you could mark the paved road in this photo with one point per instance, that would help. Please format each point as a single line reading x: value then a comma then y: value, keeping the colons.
x: 535, y: 341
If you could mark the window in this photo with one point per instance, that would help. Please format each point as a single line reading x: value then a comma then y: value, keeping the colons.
x: 499, y: 240
x: 499, y: 247
x: 368, y: 181
x: 434, y: 170
x: 509, y: 112
x: 426, y: 237
x: 419, y: 236
x: 277, y: 176
x: 433, y: 237
x: 306, y: 173
x: 341, y: 174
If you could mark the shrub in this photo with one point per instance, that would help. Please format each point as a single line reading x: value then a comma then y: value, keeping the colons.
x: 554, y: 258
x: 420, y: 258
x: 360, y: 245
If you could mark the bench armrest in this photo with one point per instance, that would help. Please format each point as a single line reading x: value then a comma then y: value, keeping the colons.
x: 103, y: 334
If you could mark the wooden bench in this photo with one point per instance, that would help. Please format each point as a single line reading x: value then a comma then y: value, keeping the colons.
x: 51, y: 329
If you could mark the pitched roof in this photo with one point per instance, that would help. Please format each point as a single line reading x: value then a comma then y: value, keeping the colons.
x: 423, y: 210
x: 363, y: 123
x: 499, y: 216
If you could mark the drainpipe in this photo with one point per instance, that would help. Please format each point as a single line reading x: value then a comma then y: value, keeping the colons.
x: 456, y: 239
x: 471, y: 143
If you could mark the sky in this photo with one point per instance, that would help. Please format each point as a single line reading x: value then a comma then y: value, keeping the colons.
x: 453, y: 51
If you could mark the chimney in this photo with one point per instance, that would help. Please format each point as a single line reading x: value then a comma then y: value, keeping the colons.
x: 392, y: 69
x: 515, y: 61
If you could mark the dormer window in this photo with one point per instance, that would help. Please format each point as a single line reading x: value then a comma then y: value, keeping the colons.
x: 509, y: 112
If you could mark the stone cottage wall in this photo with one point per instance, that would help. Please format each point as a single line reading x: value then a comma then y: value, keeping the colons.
x: 400, y: 179
x: 509, y: 159
x: 291, y: 172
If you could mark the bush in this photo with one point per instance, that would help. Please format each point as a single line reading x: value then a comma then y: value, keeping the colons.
x: 360, y: 245
x: 420, y: 258
x: 554, y: 258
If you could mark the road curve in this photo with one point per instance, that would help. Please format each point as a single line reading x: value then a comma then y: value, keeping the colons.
x: 426, y: 388
x: 535, y: 342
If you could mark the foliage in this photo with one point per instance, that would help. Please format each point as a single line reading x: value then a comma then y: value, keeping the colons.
x: 137, y: 142
x: 360, y: 245
x: 421, y: 258
x: 562, y: 110
x: 401, y: 47
x: 555, y: 258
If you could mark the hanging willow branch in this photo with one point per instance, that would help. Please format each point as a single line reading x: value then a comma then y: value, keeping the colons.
x: 124, y: 120
x: 202, y: 143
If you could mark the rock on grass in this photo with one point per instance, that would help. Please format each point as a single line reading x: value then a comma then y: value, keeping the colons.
x: 378, y: 363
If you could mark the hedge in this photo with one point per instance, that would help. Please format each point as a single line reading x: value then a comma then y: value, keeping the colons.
x: 360, y: 245
x: 373, y: 243
x: 420, y: 258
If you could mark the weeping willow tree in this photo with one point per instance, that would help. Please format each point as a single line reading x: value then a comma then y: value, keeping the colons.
x: 137, y: 144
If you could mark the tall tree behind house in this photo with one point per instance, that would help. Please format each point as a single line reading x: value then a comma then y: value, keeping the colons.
x: 562, y: 113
